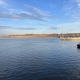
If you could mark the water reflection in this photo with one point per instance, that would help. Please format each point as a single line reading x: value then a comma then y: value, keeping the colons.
x: 78, y: 48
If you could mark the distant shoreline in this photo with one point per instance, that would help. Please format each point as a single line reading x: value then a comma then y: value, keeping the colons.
x: 32, y: 36
x: 42, y: 35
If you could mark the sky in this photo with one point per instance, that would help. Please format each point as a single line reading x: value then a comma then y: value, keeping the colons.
x: 39, y: 16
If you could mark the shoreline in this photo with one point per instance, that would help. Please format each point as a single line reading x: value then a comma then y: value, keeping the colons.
x: 54, y: 35
x: 32, y: 36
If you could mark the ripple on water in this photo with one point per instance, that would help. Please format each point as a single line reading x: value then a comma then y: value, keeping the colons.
x: 39, y: 59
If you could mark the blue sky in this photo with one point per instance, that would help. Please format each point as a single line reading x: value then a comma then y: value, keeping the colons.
x: 39, y: 16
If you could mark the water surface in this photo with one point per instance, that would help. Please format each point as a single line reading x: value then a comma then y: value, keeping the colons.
x: 39, y: 59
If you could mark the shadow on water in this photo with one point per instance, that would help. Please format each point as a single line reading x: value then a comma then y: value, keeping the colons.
x: 78, y: 48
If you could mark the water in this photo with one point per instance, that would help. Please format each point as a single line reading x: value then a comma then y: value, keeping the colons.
x: 39, y: 59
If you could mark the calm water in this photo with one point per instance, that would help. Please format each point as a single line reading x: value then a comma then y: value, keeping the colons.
x: 39, y: 59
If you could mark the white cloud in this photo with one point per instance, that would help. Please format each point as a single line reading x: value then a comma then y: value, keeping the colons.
x: 79, y: 5
x: 35, y: 11
x: 68, y: 7
x: 27, y: 28
x: 2, y: 3
x: 19, y: 28
x: 70, y: 27
x: 31, y: 13
x: 77, y: 1
x: 10, y: 15
x: 72, y: 9
x: 76, y: 15
x: 53, y: 28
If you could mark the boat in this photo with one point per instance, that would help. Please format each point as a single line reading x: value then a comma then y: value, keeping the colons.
x: 70, y: 38
x: 63, y: 37
x: 78, y: 45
